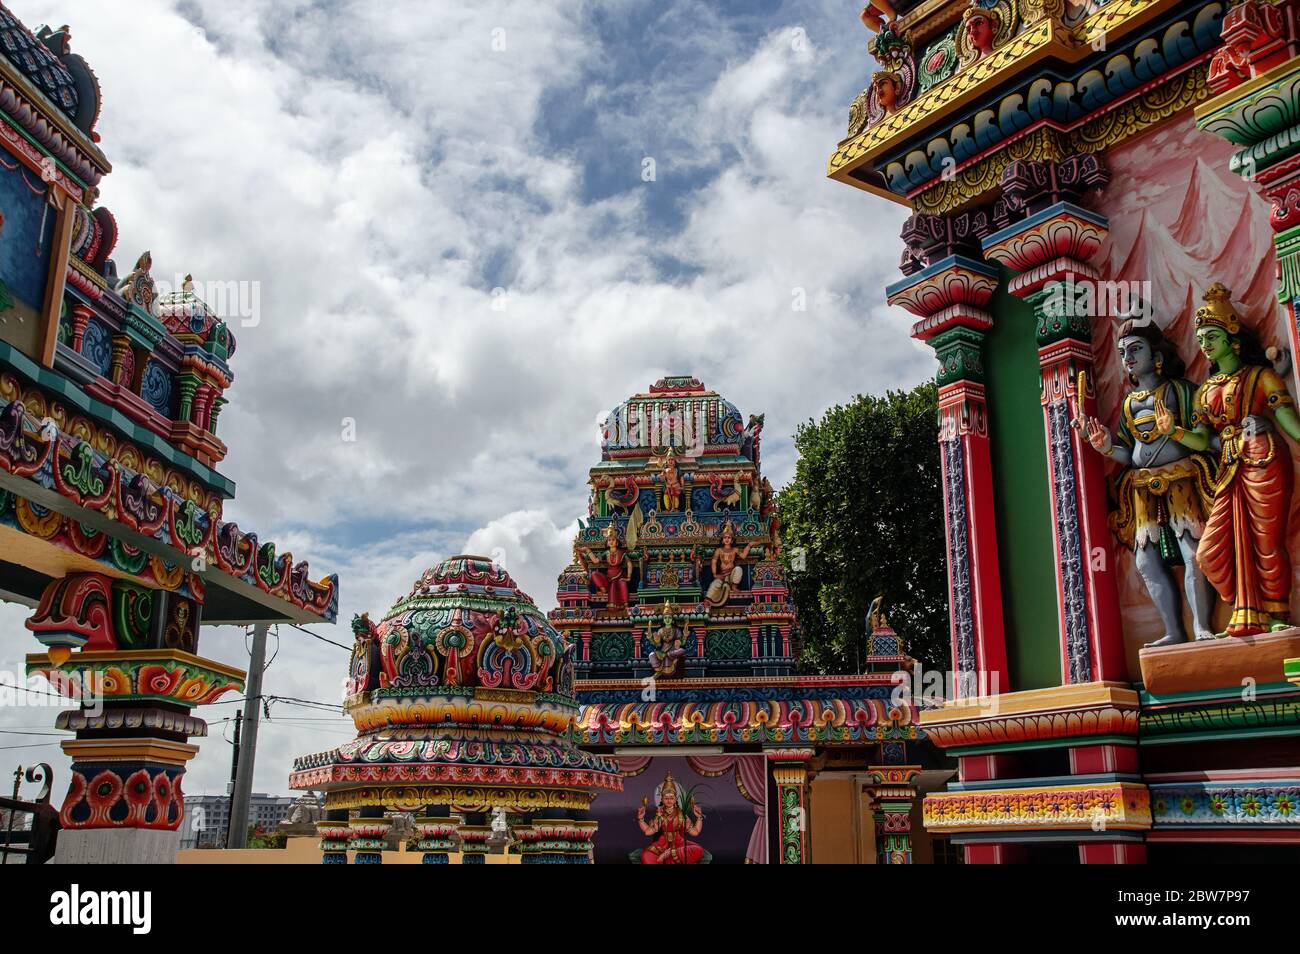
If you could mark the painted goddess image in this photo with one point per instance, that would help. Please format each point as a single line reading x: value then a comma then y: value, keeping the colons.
x: 677, y: 816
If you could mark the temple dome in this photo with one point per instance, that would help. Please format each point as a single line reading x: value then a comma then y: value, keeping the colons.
x: 464, y: 682
x: 466, y: 623
x: 677, y: 411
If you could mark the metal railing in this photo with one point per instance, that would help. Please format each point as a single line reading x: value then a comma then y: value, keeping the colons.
x: 30, y: 828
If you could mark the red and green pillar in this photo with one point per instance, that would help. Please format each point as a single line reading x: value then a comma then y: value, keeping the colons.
x: 1049, y: 250
x: 947, y: 286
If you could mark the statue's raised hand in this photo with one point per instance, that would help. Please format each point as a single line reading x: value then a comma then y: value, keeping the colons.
x: 1164, y: 419
x: 1098, y: 434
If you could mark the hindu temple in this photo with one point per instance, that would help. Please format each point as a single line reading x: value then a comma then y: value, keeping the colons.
x: 685, y: 642
x: 1101, y: 251
x: 655, y: 715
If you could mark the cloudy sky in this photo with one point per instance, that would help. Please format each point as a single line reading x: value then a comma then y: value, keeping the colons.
x: 473, y: 229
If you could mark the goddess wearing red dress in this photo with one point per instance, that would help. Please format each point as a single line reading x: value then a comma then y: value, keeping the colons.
x: 618, y: 569
x: 672, y: 826
x: 1243, y: 550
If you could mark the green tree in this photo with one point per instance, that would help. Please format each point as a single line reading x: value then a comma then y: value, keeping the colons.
x: 864, y: 518
x: 259, y: 837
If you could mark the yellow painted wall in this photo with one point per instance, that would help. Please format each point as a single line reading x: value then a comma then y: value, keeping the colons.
x: 305, y: 851
x: 839, y: 836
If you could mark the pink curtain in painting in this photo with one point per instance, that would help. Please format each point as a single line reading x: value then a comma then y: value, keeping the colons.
x: 751, y: 774
x: 633, y: 764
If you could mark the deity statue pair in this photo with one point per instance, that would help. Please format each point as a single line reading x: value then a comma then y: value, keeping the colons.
x: 1224, y: 519
x: 616, y: 567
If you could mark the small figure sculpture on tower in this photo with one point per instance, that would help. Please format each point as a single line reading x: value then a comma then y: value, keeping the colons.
x: 668, y: 472
x: 727, y: 571
x: 614, y: 578
x: 979, y: 27
x: 139, y: 288
x: 666, y: 657
x: 888, y: 89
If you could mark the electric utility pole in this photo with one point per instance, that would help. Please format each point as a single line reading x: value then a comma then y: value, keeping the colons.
x: 247, y: 752
x: 234, y: 771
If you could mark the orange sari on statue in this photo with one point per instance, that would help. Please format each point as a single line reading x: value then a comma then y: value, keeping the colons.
x: 1243, y: 550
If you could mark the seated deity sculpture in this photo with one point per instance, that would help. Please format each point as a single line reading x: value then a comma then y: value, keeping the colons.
x: 726, y: 566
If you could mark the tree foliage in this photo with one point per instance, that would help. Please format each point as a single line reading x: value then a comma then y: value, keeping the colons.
x: 865, y: 513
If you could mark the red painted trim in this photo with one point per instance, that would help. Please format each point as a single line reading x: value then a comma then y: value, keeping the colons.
x: 1112, y: 853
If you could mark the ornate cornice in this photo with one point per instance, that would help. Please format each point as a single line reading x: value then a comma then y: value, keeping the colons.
x: 1034, y: 717
x: 163, y: 675
x: 1226, y: 803
x: 801, y: 721
x: 50, y: 130
x: 1115, y: 805
x: 1050, y: 113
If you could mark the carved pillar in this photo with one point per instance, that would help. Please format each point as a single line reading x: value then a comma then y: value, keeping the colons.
x: 334, y: 833
x: 1050, y: 248
x: 436, y: 833
x: 474, y: 838
x: 894, y: 790
x: 368, y: 836
x: 217, y: 404
x: 202, y: 404
x: 948, y: 287
x: 793, y: 801
x: 80, y: 318
x: 188, y: 385
x: 122, y: 370
x: 105, y: 648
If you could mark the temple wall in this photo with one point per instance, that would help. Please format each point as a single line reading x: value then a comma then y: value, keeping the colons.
x: 837, y: 839
x: 306, y: 851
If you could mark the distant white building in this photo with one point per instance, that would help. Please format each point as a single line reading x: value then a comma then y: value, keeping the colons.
x: 206, y: 816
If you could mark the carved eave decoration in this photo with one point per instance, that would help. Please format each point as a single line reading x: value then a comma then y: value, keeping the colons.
x: 50, y: 130
x: 1044, y: 47
x: 1259, y: 108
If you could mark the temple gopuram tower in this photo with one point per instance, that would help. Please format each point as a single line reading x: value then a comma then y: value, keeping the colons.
x: 1102, y: 254
x: 685, y: 643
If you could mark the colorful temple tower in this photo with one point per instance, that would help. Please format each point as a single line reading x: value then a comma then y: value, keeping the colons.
x: 685, y: 644
x: 110, y: 507
x: 463, y: 701
x: 1104, y: 223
